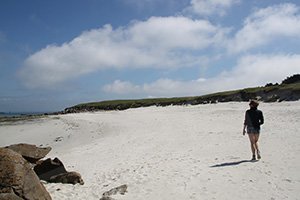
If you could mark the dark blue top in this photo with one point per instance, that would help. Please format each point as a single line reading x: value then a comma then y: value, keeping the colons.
x: 254, y: 118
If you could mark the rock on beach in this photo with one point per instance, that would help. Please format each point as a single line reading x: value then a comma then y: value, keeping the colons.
x: 17, y: 179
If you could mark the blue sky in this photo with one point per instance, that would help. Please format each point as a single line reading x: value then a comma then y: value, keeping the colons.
x: 54, y: 54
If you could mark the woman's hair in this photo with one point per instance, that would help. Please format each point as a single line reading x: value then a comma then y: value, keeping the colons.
x: 253, y: 103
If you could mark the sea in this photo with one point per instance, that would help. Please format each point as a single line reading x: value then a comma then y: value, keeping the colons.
x: 18, y: 114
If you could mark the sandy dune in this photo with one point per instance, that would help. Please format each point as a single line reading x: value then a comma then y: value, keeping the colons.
x: 168, y: 153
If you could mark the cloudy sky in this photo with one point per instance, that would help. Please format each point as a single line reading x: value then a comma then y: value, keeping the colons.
x: 54, y: 54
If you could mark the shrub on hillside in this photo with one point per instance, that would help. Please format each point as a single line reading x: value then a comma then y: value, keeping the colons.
x: 292, y: 79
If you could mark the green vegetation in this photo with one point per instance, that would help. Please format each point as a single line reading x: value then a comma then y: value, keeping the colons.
x: 5, y: 120
x: 269, y: 93
x: 292, y: 79
x: 119, y: 104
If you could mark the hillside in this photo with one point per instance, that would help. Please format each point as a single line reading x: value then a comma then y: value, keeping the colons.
x: 269, y: 93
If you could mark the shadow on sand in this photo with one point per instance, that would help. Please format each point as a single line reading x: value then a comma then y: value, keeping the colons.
x: 233, y: 163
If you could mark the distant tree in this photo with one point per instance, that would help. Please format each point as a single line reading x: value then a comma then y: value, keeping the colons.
x: 269, y: 85
x: 292, y: 79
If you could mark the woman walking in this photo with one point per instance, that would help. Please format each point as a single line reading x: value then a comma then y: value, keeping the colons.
x: 253, y: 119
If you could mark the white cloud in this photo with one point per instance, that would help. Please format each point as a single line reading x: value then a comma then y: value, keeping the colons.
x: 171, y: 42
x: 257, y: 70
x: 266, y: 25
x: 210, y: 7
x: 168, y: 87
x: 121, y: 87
x: 251, y: 71
x: 159, y: 42
x: 174, y: 32
x: 159, y: 88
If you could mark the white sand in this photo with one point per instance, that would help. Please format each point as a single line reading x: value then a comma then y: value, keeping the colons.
x: 169, y: 153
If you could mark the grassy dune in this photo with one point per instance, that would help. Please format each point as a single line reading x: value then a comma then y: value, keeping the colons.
x: 283, y: 92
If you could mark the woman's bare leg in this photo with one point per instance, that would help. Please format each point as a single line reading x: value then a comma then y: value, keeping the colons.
x: 256, y: 145
x: 252, y: 143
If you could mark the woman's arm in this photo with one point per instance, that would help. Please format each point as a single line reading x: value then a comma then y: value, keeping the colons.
x: 261, y: 120
x: 245, y: 123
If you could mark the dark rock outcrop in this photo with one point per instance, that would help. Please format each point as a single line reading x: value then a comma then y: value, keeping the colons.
x: 45, y: 169
x: 30, y: 152
x: 17, y: 179
x: 54, y: 171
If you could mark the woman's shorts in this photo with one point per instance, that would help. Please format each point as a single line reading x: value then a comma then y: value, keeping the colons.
x: 251, y: 129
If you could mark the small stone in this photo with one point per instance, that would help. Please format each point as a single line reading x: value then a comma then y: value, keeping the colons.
x: 68, y: 177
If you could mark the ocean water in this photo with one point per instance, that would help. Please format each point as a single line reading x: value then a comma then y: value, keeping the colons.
x: 17, y: 114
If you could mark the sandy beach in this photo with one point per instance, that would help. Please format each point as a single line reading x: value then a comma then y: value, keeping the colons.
x: 169, y: 153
